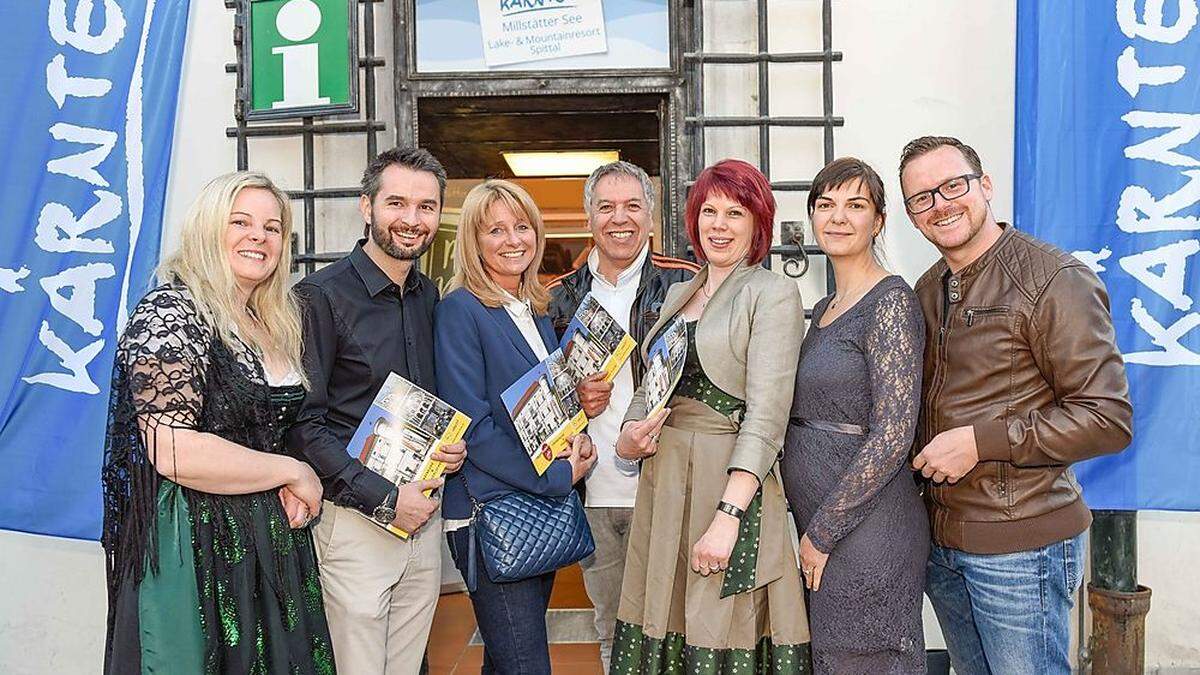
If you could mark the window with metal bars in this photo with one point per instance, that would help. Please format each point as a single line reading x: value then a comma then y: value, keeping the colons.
x: 307, y: 256
x: 791, y: 248
x: 684, y: 125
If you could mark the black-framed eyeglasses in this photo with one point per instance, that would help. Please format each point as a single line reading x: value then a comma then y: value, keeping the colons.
x: 951, y: 189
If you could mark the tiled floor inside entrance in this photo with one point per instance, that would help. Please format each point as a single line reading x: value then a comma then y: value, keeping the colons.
x: 454, y: 647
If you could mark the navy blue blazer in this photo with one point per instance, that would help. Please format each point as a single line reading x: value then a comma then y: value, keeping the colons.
x: 479, y: 353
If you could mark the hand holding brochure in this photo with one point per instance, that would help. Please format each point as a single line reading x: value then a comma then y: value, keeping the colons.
x: 665, y: 365
x: 403, y: 427
x: 545, y: 410
x: 594, y: 342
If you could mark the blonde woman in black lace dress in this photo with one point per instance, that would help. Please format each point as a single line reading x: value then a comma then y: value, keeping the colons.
x: 865, y: 537
x: 211, y: 567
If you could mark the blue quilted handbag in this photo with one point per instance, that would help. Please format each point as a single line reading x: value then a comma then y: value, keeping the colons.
x: 522, y: 535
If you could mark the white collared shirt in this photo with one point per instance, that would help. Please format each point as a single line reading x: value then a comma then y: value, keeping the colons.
x: 613, y: 483
x: 522, y: 315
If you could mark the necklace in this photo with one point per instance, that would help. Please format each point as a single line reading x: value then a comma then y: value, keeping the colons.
x: 857, y: 290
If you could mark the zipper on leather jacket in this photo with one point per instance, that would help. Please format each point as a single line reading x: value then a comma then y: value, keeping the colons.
x: 939, y: 374
x: 971, y: 314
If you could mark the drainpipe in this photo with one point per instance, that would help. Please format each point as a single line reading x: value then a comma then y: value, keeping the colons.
x: 1118, y: 603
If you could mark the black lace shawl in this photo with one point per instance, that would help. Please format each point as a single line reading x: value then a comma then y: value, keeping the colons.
x: 172, y: 369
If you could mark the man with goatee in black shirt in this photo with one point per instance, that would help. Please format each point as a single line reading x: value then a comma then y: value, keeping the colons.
x: 365, y: 316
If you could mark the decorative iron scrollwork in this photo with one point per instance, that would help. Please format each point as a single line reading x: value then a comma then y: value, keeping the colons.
x: 792, y: 249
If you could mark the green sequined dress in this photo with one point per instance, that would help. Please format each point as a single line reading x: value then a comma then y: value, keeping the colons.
x: 749, y: 619
x: 201, y: 582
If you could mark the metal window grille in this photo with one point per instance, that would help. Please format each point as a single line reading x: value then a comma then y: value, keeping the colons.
x: 308, y: 128
x: 792, y: 249
x: 685, y: 103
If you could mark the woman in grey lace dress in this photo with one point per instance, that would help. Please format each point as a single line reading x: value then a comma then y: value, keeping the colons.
x: 865, y: 537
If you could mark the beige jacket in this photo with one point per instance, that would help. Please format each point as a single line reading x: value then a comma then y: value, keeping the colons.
x: 748, y: 341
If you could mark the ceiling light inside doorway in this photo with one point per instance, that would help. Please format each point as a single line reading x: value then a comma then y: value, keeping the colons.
x: 560, y: 163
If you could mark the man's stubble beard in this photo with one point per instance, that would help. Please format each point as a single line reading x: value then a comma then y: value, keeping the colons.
x: 382, y: 238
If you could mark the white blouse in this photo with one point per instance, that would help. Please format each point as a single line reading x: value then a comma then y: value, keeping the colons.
x: 522, y: 315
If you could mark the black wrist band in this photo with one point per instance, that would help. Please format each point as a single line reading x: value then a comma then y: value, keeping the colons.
x: 726, y: 507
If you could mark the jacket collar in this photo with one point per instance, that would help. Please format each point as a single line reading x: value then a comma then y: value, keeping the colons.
x: 679, y: 294
x: 675, y: 301
x: 507, y: 326
x: 637, y: 267
x: 977, y: 265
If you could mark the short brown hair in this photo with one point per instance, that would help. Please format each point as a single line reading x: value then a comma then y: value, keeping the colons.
x: 846, y: 170
x: 926, y: 144
x: 416, y: 159
x: 843, y: 171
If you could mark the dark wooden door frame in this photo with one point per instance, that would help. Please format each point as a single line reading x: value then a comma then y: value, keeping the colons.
x: 674, y: 154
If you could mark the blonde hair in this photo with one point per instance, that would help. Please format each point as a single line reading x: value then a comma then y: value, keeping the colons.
x: 201, y: 264
x: 469, y: 272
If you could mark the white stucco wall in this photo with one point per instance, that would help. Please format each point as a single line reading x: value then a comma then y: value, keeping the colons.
x: 910, y: 68
x: 947, y: 67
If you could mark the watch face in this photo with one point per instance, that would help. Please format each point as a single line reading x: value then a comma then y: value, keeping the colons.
x: 384, y: 515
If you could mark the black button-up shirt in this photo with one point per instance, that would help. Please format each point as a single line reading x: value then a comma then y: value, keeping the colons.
x: 358, y: 327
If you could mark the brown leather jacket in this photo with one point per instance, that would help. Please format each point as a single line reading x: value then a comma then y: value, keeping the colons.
x: 1019, y: 345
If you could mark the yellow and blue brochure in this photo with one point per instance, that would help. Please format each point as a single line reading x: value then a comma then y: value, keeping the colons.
x: 545, y: 409
x: 664, y: 365
x: 594, y: 342
x: 403, y: 427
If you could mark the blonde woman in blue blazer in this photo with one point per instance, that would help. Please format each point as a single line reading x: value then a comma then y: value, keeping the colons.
x: 488, y: 332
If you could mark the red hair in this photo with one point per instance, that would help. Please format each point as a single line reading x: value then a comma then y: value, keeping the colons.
x: 744, y: 184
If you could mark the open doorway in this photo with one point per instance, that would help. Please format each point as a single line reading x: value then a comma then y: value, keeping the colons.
x: 471, y: 135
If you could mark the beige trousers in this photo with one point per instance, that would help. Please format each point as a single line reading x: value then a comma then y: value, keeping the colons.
x: 380, y: 591
x: 603, y: 570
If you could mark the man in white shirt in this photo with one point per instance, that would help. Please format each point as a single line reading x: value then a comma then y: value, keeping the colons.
x: 630, y: 282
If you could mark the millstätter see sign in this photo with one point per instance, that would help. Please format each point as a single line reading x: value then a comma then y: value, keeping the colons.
x: 516, y: 31
x: 300, y: 57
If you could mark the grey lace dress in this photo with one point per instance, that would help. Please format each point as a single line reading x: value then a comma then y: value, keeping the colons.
x: 846, y: 474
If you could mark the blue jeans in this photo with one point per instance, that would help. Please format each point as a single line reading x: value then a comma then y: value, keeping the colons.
x: 511, y: 617
x: 1006, y: 613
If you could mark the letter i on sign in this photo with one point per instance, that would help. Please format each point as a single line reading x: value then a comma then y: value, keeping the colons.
x: 298, y: 21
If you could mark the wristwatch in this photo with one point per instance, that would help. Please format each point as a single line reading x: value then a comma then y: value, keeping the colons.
x: 385, y: 513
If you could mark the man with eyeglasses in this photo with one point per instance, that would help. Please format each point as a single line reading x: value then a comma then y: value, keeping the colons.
x: 1022, y: 378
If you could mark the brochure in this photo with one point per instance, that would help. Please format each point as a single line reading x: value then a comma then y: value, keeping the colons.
x: 594, y: 342
x: 400, y: 431
x: 545, y: 410
x: 665, y: 365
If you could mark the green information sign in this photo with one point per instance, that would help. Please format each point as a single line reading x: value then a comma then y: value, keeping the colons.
x: 301, y: 56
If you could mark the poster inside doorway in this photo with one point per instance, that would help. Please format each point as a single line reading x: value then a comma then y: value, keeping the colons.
x: 519, y: 31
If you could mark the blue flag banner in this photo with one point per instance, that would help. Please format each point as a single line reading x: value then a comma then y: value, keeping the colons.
x: 90, y: 88
x: 1108, y: 167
